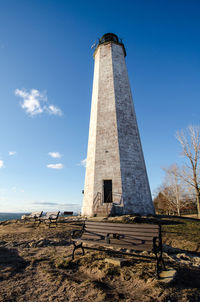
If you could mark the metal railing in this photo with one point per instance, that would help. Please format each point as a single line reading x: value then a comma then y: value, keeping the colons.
x: 97, y: 200
x: 117, y: 199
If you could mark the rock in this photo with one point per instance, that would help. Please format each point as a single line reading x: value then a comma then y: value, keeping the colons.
x: 125, y: 219
x: 116, y: 261
x: 183, y: 257
x: 167, y: 276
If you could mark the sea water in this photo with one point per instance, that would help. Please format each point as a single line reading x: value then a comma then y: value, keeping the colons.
x: 11, y: 216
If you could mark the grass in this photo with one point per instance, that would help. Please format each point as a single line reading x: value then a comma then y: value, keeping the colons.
x: 179, y: 232
x: 182, y: 233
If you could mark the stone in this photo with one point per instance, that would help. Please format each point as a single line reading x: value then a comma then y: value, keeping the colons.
x: 167, y: 276
x: 116, y: 261
x: 115, y: 158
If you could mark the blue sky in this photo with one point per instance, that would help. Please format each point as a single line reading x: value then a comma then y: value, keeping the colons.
x: 46, y: 58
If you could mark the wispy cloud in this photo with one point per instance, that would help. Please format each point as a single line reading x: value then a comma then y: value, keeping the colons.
x: 1, y: 163
x: 3, y: 190
x: 83, y: 163
x: 54, y: 110
x: 46, y: 203
x: 16, y: 190
x: 55, y: 166
x: 55, y: 154
x: 58, y: 205
x: 36, y: 102
x: 12, y: 153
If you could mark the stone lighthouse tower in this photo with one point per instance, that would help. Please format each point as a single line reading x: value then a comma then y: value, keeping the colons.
x: 116, y: 179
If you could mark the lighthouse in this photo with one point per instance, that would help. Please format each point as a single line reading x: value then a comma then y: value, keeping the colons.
x: 116, y: 180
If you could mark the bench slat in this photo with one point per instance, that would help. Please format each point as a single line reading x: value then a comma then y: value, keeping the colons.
x: 120, y: 231
x: 141, y: 237
x: 122, y: 225
x: 121, y: 241
x: 112, y: 229
x: 119, y: 244
x: 126, y: 227
x: 128, y: 237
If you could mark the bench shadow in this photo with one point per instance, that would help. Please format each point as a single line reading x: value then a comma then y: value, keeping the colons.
x: 179, y: 217
x: 136, y: 257
x: 174, y: 250
x: 156, y: 221
x: 186, y: 277
x: 10, y: 263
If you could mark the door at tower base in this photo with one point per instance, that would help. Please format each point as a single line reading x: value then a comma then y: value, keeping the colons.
x: 116, y: 180
x: 107, y: 191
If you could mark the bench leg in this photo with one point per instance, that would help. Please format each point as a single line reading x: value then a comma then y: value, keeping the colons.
x: 39, y: 222
x: 160, y: 264
x: 157, y: 249
x: 83, y: 251
x: 76, y: 247
x: 35, y: 222
x: 52, y: 221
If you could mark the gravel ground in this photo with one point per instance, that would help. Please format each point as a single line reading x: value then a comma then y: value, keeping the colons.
x: 35, y: 265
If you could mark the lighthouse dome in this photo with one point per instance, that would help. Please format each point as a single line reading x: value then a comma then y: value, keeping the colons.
x: 109, y: 37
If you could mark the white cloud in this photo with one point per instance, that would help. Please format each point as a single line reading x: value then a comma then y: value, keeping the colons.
x: 1, y: 164
x: 3, y: 190
x: 55, y: 154
x: 31, y: 101
x: 14, y: 189
x: 36, y: 102
x: 12, y: 153
x: 54, y: 206
x: 55, y: 166
x: 83, y: 162
x: 54, y: 110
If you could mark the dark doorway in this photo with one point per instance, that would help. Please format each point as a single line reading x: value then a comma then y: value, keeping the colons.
x: 107, y: 188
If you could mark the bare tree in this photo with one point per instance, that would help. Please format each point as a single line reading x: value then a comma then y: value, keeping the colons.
x: 171, y: 199
x: 190, y: 142
x: 162, y: 200
x: 174, y: 184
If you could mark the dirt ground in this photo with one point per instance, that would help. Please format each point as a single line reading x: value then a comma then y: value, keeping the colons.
x: 35, y: 265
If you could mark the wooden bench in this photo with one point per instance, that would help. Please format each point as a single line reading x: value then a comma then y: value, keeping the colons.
x: 137, y: 237
x: 50, y: 217
x: 35, y: 216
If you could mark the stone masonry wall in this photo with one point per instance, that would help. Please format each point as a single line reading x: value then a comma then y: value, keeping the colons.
x: 135, y: 185
x: 103, y: 161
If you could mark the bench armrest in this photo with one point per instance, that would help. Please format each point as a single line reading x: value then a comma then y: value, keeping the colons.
x: 76, y: 233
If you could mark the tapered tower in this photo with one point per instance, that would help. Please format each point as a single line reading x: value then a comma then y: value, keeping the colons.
x: 116, y: 179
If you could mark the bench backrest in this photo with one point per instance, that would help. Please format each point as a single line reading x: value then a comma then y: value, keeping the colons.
x: 135, y: 236
x: 35, y: 214
x: 53, y: 215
